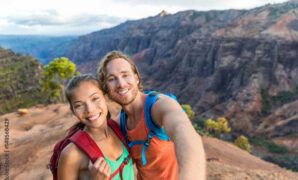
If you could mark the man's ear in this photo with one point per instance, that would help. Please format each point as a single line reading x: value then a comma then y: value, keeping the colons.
x: 138, y: 80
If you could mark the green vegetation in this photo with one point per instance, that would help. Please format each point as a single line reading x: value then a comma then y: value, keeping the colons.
x: 219, y: 126
x: 19, y: 81
x: 289, y: 162
x: 188, y: 111
x: 199, y: 122
x: 199, y: 126
x: 57, y: 73
x: 281, y: 98
x: 284, y: 96
x: 266, y: 101
x: 270, y: 146
x: 242, y: 142
x: 210, y: 127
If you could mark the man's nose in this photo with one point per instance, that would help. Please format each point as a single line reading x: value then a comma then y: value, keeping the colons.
x: 120, y: 82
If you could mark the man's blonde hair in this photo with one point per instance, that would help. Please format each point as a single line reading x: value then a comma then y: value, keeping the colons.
x: 102, y: 70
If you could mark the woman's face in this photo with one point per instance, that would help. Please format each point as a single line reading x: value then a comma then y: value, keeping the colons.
x: 89, y: 104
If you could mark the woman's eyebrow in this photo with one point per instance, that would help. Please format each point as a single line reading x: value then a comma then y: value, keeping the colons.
x: 93, y: 94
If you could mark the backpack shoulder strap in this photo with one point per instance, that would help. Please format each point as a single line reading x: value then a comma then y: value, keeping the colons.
x: 123, y: 125
x: 86, y: 144
x: 151, y: 124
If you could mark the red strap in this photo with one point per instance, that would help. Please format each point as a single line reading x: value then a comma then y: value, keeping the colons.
x: 120, y: 169
x: 86, y: 144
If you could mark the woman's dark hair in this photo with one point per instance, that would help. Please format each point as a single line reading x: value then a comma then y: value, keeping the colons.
x: 77, y: 80
x: 74, y: 83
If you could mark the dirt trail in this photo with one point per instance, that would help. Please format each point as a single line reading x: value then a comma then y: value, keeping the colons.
x: 31, y: 140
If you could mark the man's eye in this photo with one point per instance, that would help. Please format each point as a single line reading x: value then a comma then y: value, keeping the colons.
x: 95, y: 99
x: 111, y: 79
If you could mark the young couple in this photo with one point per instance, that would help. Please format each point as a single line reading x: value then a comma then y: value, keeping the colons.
x: 179, y: 156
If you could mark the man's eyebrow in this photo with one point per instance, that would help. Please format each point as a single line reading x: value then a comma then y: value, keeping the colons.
x: 122, y: 72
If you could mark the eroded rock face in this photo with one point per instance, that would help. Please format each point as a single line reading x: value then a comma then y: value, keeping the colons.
x: 216, y: 61
x: 283, y: 122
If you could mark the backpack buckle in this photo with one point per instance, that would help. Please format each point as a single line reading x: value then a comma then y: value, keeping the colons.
x: 50, y: 166
x: 148, y: 141
x: 126, y: 160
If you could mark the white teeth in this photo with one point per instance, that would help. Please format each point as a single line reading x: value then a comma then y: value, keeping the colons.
x: 123, y: 92
x: 94, y: 117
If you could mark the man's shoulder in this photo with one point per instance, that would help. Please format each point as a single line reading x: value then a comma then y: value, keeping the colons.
x: 164, y: 102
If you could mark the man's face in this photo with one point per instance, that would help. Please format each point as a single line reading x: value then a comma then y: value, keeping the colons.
x: 121, y: 81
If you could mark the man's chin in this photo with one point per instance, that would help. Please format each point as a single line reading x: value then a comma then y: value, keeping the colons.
x: 123, y: 101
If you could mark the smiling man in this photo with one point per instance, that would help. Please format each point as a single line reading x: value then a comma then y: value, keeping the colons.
x: 180, y: 155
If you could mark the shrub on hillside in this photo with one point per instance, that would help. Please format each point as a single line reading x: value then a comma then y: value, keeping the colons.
x: 242, y: 142
x: 219, y: 126
x: 188, y: 111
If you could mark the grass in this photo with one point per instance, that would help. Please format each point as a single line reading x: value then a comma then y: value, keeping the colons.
x: 270, y: 146
x: 289, y: 162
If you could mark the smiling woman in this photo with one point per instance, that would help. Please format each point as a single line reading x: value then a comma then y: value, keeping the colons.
x: 95, y: 148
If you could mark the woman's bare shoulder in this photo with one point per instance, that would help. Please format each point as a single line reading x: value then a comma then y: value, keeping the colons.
x: 72, y: 155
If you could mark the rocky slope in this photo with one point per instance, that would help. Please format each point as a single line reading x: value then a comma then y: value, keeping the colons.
x: 19, y: 81
x: 219, y: 62
x: 32, y: 138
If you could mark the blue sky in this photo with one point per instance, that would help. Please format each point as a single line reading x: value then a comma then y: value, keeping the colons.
x: 70, y: 17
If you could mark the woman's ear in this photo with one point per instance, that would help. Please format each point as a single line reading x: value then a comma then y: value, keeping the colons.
x: 71, y: 109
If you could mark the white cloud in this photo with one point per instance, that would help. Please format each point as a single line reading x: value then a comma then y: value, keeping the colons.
x: 69, y: 16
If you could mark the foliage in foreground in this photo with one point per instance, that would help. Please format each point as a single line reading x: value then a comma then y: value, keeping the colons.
x: 57, y: 73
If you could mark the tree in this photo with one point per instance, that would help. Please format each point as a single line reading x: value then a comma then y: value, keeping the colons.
x: 57, y: 73
x: 242, y: 142
x: 188, y: 111
x: 218, y: 126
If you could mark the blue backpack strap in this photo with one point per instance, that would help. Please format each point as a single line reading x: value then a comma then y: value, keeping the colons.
x: 123, y: 129
x: 151, y: 124
x: 154, y: 128
x: 123, y: 125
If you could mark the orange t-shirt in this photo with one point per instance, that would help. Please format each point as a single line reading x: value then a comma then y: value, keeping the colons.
x: 160, y: 155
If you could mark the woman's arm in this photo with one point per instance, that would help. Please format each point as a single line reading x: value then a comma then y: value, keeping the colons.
x: 69, y: 163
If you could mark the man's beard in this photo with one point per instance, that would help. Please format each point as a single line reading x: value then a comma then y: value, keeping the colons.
x: 122, y: 100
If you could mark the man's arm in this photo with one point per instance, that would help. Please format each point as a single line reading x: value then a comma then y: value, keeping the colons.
x: 188, y: 143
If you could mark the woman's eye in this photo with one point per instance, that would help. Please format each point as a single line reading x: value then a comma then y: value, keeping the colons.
x: 111, y: 79
x: 77, y: 106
